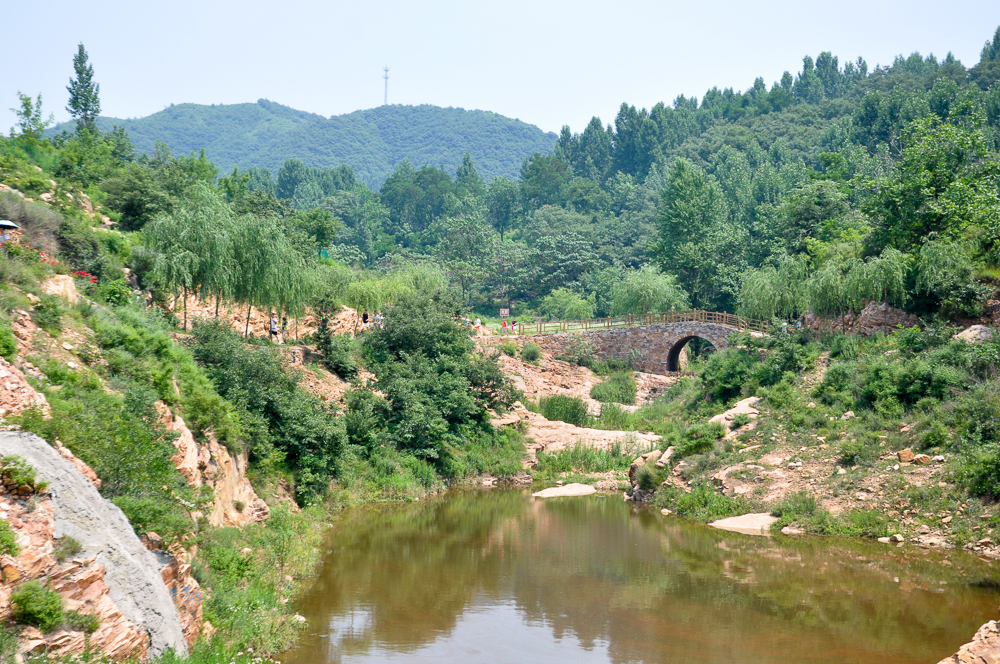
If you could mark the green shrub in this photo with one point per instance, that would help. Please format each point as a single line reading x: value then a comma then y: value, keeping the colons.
x: 704, y: 503
x: 857, y: 453
x: 582, y: 459
x: 34, y: 604
x: 8, y: 644
x: 47, y: 314
x: 82, y: 622
x: 562, y: 408
x: 726, y: 372
x: 8, y: 344
x: 65, y: 547
x: 796, y: 504
x: 337, y: 353
x: 17, y: 470
x: 115, y: 292
x: 8, y: 540
x: 531, y: 352
x: 648, y: 476
x: 579, y: 351
x: 619, y: 387
x: 741, y: 420
x: 697, y: 439
x: 508, y: 348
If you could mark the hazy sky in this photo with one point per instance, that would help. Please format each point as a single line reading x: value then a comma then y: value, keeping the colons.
x: 547, y: 63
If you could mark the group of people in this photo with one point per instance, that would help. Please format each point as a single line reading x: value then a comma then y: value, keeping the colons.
x: 505, y: 328
x: 368, y: 322
x: 273, y: 330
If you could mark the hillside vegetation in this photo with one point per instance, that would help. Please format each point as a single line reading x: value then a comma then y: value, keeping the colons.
x: 373, y: 141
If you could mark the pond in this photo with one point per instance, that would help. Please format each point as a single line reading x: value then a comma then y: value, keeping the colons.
x: 498, y: 576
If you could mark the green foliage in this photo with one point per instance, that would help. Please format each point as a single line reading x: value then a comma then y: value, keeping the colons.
x: 508, y: 348
x: 619, y: 387
x: 34, y: 604
x: 337, y: 350
x: 47, y: 314
x: 65, y: 547
x: 84, y: 94
x: 115, y: 293
x: 563, y: 408
x: 82, y: 622
x: 703, y: 503
x: 696, y: 439
x: 564, y: 304
x: 531, y: 352
x: 582, y: 459
x: 283, y: 420
x: 8, y: 540
x: 19, y: 472
x: 646, y: 290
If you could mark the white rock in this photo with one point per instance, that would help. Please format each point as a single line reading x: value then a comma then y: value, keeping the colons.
x: 848, y: 415
x: 573, y: 489
x: 664, y: 511
x: 897, y: 538
x: 748, y: 524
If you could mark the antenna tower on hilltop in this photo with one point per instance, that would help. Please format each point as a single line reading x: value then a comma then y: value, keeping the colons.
x: 385, y: 102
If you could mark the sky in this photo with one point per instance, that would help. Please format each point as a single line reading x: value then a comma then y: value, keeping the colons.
x: 546, y: 63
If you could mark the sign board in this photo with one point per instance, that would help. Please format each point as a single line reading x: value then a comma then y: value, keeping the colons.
x: 505, y: 312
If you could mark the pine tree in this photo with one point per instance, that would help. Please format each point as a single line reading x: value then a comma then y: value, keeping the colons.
x: 84, y: 95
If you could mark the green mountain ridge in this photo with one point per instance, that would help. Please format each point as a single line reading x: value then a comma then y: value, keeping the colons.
x: 374, y: 141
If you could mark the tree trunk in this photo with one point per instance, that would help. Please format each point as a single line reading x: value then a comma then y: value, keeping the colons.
x: 246, y: 330
x: 185, y: 308
x: 218, y: 298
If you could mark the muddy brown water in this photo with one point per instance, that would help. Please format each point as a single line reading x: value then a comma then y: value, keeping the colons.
x: 497, y: 576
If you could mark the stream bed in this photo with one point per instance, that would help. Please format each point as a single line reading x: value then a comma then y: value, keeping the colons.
x: 497, y: 576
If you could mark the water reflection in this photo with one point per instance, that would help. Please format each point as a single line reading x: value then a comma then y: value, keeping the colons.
x: 499, y: 577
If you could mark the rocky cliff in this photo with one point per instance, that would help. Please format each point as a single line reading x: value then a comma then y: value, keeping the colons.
x: 113, y: 575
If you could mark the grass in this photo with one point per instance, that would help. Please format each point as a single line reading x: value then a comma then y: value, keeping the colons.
x: 65, y: 547
x: 617, y: 387
x: 562, y: 408
x: 582, y: 459
x: 34, y: 604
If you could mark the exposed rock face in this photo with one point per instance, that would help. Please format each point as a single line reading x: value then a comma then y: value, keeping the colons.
x: 63, y: 287
x: 975, y: 334
x: 983, y: 649
x: 746, y: 407
x: 573, y: 489
x: 235, y: 502
x: 875, y: 317
x: 184, y: 589
x: 16, y: 394
x: 111, y: 553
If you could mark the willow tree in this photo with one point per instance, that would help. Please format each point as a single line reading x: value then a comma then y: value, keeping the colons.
x: 774, y: 291
x: 271, y: 271
x: 191, y: 248
x: 647, y: 290
x: 825, y: 292
x: 886, y: 278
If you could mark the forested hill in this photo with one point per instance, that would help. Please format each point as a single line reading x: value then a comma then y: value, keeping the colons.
x: 373, y: 141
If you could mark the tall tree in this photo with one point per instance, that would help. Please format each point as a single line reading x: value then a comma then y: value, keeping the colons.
x: 84, y: 95
x: 467, y: 180
x: 503, y: 204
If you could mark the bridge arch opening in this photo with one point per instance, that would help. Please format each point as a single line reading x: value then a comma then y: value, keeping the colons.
x: 702, y: 344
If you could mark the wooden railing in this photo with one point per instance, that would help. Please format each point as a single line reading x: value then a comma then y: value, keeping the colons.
x: 632, y: 320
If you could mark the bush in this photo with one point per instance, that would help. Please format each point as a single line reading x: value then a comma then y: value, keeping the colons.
x: 740, y: 420
x: 697, y: 439
x: 17, y: 470
x: 66, y: 547
x: 705, y: 504
x: 8, y: 344
x: 115, y: 293
x: 34, y: 604
x: 47, y: 314
x: 82, y: 622
x: 619, y: 387
x: 564, y: 304
x: 531, y: 352
x: 727, y: 372
x: 336, y: 350
x: 8, y: 540
x: 579, y: 351
x: 582, y: 459
x: 857, y: 453
x: 508, y: 348
x: 562, y: 408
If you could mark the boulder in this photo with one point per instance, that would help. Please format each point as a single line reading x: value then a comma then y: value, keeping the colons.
x: 63, y: 287
x: 975, y: 334
x: 641, y: 461
x: 921, y: 459
x: 748, y: 524
x: 905, y: 456
x: 984, y: 647
x: 573, y: 489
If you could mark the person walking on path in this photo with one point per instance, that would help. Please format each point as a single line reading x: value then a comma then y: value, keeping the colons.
x: 479, y: 327
x: 284, y: 328
x: 503, y: 327
x: 364, y: 320
x: 513, y: 327
x: 273, y: 330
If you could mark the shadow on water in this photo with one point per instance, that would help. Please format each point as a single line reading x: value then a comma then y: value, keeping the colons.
x: 497, y: 576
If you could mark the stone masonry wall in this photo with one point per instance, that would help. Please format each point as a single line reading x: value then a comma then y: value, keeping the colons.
x: 652, y: 344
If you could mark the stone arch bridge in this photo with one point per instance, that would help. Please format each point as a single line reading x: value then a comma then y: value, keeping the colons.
x: 654, y: 342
